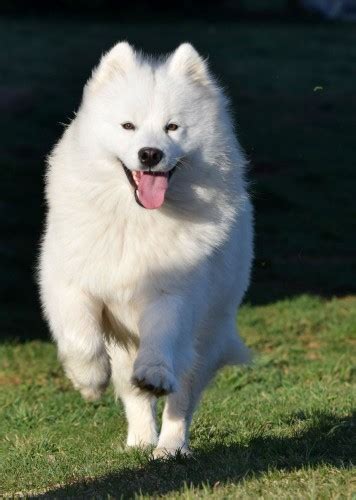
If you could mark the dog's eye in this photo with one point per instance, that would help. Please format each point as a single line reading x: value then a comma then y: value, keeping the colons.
x: 128, y: 126
x: 171, y: 127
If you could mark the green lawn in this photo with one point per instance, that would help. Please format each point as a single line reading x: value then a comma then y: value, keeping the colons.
x: 283, y: 428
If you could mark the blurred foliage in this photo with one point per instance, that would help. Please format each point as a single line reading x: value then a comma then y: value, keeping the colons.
x: 148, y: 10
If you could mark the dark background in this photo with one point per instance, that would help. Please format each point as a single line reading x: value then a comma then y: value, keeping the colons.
x: 291, y: 78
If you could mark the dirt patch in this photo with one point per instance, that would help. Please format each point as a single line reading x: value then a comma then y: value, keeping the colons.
x: 9, y: 380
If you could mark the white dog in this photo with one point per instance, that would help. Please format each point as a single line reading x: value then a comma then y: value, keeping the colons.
x: 148, y: 244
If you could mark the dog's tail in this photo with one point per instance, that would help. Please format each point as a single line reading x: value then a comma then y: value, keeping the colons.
x: 237, y: 353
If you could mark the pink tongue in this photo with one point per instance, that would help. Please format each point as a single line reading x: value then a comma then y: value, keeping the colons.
x: 152, y: 189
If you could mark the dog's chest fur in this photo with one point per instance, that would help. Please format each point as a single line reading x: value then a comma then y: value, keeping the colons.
x: 126, y: 252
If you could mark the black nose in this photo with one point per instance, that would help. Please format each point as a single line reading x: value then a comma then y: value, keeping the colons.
x: 150, y: 157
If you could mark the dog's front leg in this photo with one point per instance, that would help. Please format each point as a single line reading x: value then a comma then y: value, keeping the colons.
x: 166, y: 345
x: 75, y: 320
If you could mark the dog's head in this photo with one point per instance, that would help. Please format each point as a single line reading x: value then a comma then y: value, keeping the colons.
x: 150, y: 117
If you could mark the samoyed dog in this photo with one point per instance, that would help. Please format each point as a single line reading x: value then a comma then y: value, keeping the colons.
x: 148, y: 242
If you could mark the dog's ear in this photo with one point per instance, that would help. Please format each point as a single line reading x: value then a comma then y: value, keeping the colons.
x: 118, y: 60
x: 185, y: 60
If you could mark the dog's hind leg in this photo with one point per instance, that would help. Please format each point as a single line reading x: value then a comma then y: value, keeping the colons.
x: 178, y: 413
x: 140, y: 406
x: 220, y: 347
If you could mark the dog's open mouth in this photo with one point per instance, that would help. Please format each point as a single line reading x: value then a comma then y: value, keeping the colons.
x: 149, y: 187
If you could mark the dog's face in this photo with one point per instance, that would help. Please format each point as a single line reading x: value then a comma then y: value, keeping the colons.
x: 149, y: 116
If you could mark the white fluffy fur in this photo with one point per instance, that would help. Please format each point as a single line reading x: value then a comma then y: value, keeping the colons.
x: 147, y: 296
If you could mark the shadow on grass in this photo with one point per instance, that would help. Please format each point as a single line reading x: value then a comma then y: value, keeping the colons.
x: 323, y: 439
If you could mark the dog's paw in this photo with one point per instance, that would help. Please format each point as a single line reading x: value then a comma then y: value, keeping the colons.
x: 154, y: 378
x: 90, y: 393
x: 90, y: 379
x: 145, y: 437
x: 159, y: 453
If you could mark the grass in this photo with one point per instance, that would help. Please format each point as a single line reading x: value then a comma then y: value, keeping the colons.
x: 283, y: 428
